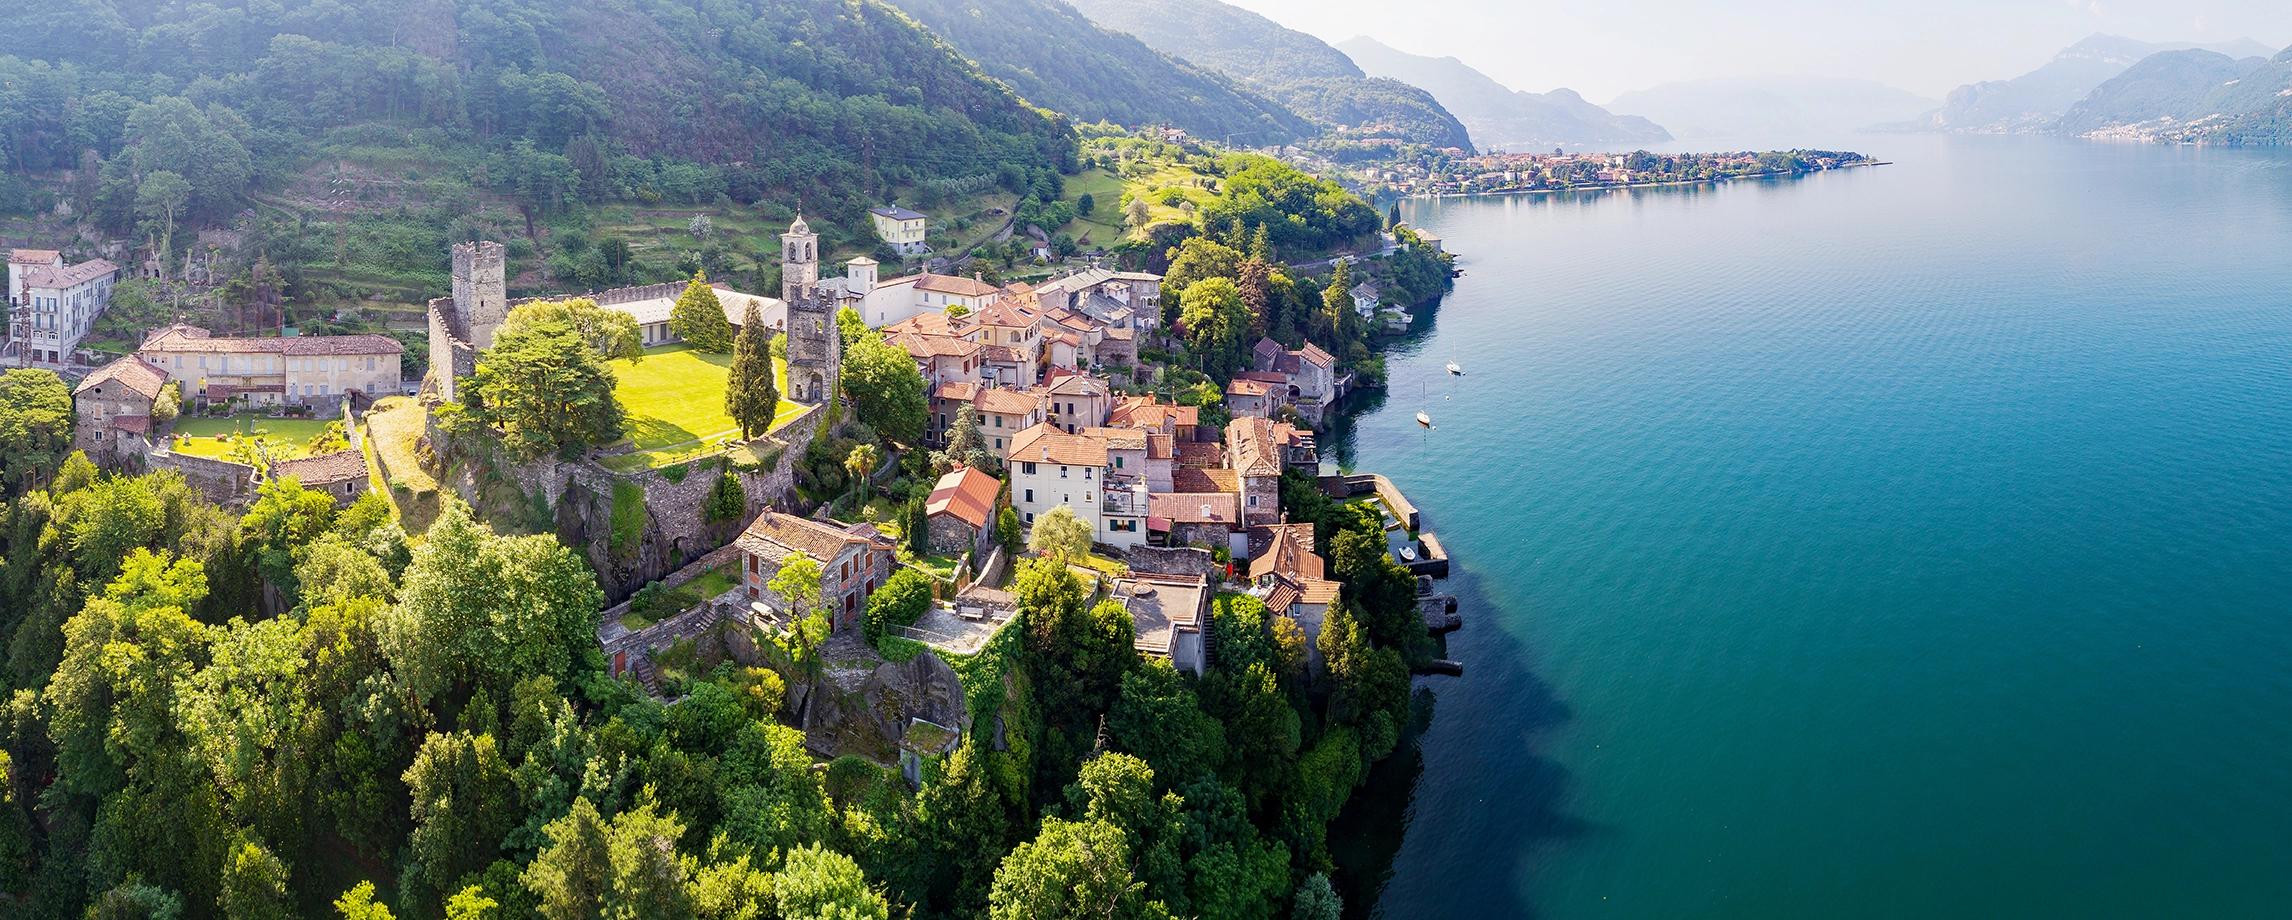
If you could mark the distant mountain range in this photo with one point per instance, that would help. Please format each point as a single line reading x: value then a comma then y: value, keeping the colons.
x: 1295, y: 69
x: 1499, y: 117
x: 1771, y: 107
x: 2191, y: 96
x: 2035, y: 101
x: 1056, y: 58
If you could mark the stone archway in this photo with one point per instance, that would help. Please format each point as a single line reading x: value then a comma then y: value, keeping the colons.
x: 815, y: 387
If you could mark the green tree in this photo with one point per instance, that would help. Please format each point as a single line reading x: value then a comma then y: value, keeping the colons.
x: 1216, y: 325
x: 861, y: 463
x: 35, y: 427
x: 797, y: 585
x: 548, y: 391
x: 698, y: 318
x: 727, y: 499
x: 571, y: 874
x: 1085, y: 204
x: 1009, y: 533
x: 1197, y: 259
x: 488, y: 610
x: 612, y: 334
x: 820, y: 884
x: 915, y: 524
x: 1160, y: 720
x: 751, y: 394
x: 1070, y: 870
x: 1393, y: 217
x: 464, y: 803
x: 1316, y: 899
x: 358, y: 904
x: 1059, y: 534
x: 966, y: 444
x: 887, y: 389
x: 283, y: 520
x: 161, y: 196
x: 900, y: 601
x: 255, y: 885
x: 128, y: 657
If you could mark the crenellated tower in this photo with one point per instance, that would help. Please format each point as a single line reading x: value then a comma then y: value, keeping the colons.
x: 481, y: 291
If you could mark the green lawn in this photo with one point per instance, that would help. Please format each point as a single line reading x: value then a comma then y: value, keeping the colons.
x: 1104, y: 225
x: 675, y: 404
x: 201, y: 432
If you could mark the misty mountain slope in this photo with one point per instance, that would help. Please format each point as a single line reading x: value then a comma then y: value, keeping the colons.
x: 1771, y: 108
x: 2035, y: 100
x: 1498, y: 116
x: 2177, y: 85
x: 1056, y: 58
x: 1295, y: 69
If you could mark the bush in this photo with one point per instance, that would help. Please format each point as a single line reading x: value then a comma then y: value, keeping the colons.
x: 628, y: 515
x: 676, y: 474
x: 727, y: 500
x: 900, y: 602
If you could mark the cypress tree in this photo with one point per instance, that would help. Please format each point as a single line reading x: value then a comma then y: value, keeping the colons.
x: 751, y: 396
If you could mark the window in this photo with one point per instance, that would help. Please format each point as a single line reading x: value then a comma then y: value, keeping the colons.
x: 1253, y: 501
x: 1027, y: 468
x: 1086, y: 472
x: 998, y: 421
x: 1030, y: 517
x: 1062, y: 472
x: 202, y: 362
x: 1118, y: 463
x: 1030, y: 496
x: 998, y: 443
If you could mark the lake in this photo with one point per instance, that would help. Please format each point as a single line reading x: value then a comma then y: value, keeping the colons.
x: 1902, y: 542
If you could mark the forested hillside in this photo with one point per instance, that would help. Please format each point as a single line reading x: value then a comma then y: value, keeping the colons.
x: 2171, y: 84
x: 1056, y: 58
x: 565, y: 101
x: 1300, y: 71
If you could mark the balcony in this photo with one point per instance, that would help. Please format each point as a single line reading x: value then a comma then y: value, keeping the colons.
x: 1129, y: 501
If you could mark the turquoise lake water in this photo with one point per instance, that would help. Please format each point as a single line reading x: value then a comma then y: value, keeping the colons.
x: 1905, y: 542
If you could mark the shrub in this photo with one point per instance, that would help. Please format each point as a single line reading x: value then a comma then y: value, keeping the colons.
x: 727, y: 500
x: 628, y: 515
x: 676, y: 474
x: 900, y: 602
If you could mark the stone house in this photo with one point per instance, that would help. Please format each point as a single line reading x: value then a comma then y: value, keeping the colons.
x: 114, y: 409
x: 854, y: 561
x: 1247, y: 397
x: 1308, y: 374
x: 1253, y: 450
x: 961, y: 512
x: 1287, y: 574
x: 341, y: 475
x: 1002, y: 413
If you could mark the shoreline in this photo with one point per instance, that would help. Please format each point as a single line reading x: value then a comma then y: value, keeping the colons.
x: 1498, y: 193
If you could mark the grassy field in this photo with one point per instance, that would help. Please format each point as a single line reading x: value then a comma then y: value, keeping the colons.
x: 675, y: 404
x: 392, y: 426
x: 294, y: 433
x: 1104, y: 225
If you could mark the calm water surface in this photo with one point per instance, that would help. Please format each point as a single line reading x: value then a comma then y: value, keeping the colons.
x: 1903, y: 542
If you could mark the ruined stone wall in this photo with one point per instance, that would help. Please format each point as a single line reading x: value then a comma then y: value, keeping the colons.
x: 223, y: 482
x: 451, y: 357
x: 1183, y: 560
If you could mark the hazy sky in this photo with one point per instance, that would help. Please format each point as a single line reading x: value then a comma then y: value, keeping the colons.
x: 1925, y: 46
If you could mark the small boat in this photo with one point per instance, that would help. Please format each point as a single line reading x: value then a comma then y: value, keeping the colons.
x: 1455, y: 370
x: 1408, y: 554
x: 1425, y: 420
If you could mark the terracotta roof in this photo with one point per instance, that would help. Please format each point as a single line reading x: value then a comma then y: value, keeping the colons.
x: 1195, y: 507
x: 51, y: 276
x: 1189, y: 479
x: 926, y: 323
x: 934, y: 346
x: 1006, y: 402
x: 967, y: 494
x: 1313, y: 353
x: 774, y: 536
x: 1046, y: 444
x: 132, y: 371
x: 324, y: 470
x: 1242, y: 387
x: 1120, y: 333
x: 33, y: 256
x: 1289, y: 555
x: 1319, y: 593
x: 140, y: 424
x: 1064, y: 338
x: 1001, y: 354
x: 1263, y: 377
x: 1281, y: 597
x: 186, y: 338
x: 1002, y: 313
x: 957, y: 391
x: 1256, y: 448
x: 1200, y: 454
x: 950, y: 284
x: 1144, y: 412
x: 1161, y: 446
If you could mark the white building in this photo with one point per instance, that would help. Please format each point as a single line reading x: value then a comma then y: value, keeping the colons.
x: 1050, y: 468
x: 52, y: 306
x: 902, y: 228
x: 316, y: 370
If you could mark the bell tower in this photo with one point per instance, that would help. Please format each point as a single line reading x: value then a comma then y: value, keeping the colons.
x: 799, y: 259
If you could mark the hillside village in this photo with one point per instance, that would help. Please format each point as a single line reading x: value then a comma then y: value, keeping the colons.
x: 1045, y: 400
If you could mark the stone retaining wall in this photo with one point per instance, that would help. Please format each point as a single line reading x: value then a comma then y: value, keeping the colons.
x: 1183, y: 560
x: 223, y: 482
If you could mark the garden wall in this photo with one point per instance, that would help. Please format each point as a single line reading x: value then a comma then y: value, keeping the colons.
x: 223, y: 482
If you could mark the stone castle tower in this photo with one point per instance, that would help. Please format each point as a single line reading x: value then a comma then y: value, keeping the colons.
x: 481, y: 291
x: 815, y: 349
x: 464, y: 324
